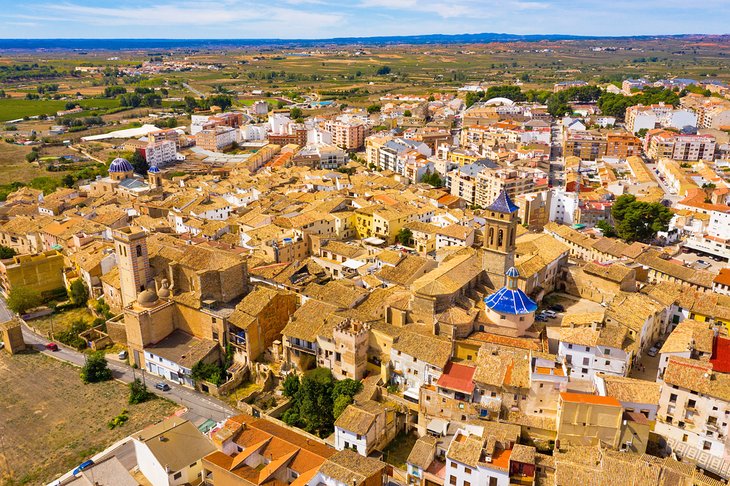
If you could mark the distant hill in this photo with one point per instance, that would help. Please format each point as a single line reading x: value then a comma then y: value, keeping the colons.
x: 120, y: 44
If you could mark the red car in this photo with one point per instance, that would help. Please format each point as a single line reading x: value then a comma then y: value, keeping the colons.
x: 52, y: 347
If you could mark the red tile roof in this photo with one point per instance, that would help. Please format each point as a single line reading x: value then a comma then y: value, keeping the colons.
x: 721, y: 355
x: 457, y: 377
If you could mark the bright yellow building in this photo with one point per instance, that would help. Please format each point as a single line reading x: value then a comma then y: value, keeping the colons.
x: 41, y: 272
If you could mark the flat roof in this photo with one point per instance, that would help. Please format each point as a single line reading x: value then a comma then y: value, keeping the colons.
x: 588, y: 398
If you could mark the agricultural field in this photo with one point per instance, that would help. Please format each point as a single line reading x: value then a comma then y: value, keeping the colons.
x: 50, y: 421
x: 16, y: 108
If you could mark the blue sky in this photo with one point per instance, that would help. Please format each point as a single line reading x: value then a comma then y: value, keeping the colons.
x: 344, y: 18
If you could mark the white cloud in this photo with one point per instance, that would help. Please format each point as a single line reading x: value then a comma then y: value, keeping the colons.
x: 192, y: 14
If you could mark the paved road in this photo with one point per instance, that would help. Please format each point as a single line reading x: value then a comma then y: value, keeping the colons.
x: 197, y: 92
x: 199, y: 406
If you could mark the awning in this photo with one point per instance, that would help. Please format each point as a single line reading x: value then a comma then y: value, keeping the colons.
x: 438, y: 426
x: 353, y: 264
x: 412, y: 393
x: 374, y: 241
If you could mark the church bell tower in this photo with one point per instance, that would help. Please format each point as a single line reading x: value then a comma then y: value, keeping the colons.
x: 500, y: 233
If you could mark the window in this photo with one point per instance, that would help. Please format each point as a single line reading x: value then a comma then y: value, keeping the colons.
x: 177, y: 475
x: 673, y: 397
x: 467, y: 470
x: 467, y: 483
x: 139, y: 250
x: 691, y: 403
x: 452, y: 480
x: 194, y: 464
x: 706, y: 446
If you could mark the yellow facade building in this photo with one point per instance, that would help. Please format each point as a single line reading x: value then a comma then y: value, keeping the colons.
x: 41, y: 272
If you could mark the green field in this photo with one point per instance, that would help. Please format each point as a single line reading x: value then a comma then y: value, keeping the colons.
x: 14, y: 108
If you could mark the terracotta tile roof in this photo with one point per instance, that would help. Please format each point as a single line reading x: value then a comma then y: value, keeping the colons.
x: 457, y: 377
x: 587, y: 398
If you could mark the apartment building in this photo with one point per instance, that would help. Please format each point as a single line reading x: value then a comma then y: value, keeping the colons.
x: 217, y: 139
x: 160, y: 153
x: 622, y: 145
x: 586, y: 145
x: 491, y: 182
x: 693, y: 404
x: 320, y: 156
x: 665, y: 144
x: 199, y: 123
x: 642, y: 117
x: 346, y: 133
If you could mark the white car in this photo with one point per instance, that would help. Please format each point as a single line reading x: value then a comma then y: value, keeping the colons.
x: 653, y: 351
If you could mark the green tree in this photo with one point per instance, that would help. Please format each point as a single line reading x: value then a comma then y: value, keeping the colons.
x: 138, y: 392
x: 373, y: 109
x: 513, y: 93
x: 139, y: 163
x: 383, y: 71
x: 606, y: 228
x: 6, y: 252
x: 95, y: 369
x: 404, y: 236
x: 211, y: 372
x: 78, y: 293
x: 340, y: 404
x: 295, y: 113
x: 639, y: 220
x: 21, y: 299
x: 315, y: 401
x: 407, y: 113
x: 347, y: 387
x: 291, y: 385
x: 190, y: 103
x: 31, y: 156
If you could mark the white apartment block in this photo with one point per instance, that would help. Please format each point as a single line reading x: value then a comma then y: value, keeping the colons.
x: 693, y: 407
x: 658, y: 116
x: 599, y: 348
x: 160, y: 153
x: 563, y: 206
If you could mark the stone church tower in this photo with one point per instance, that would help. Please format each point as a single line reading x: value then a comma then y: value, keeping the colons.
x: 133, y: 262
x: 500, y: 233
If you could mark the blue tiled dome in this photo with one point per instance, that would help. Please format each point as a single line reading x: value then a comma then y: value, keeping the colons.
x: 510, y: 299
x: 154, y: 169
x: 120, y: 165
x: 503, y: 204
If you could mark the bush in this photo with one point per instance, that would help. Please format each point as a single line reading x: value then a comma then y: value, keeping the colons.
x: 78, y: 293
x: 96, y: 369
x: 6, y: 252
x: 138, y: 392
x: 210, y: 372
x: 70, y: 337
x: 118, y: 421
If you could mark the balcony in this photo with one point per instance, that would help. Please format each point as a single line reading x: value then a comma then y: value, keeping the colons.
x: 237, y: 339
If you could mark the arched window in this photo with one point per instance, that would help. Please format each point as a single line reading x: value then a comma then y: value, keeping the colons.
x: 491, y: 236
x: 500, y: 238
x: 139, y: 250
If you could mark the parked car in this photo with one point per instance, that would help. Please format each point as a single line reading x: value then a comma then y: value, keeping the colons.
x: 701, y: 264
x: 52, y: 347
x: 653, y: 351
x: 557, y: 308
x: 162, y: 386
x: 82, y: 466
x: 550, y: 313
x: 540, y: 318
x: 122, y: 355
